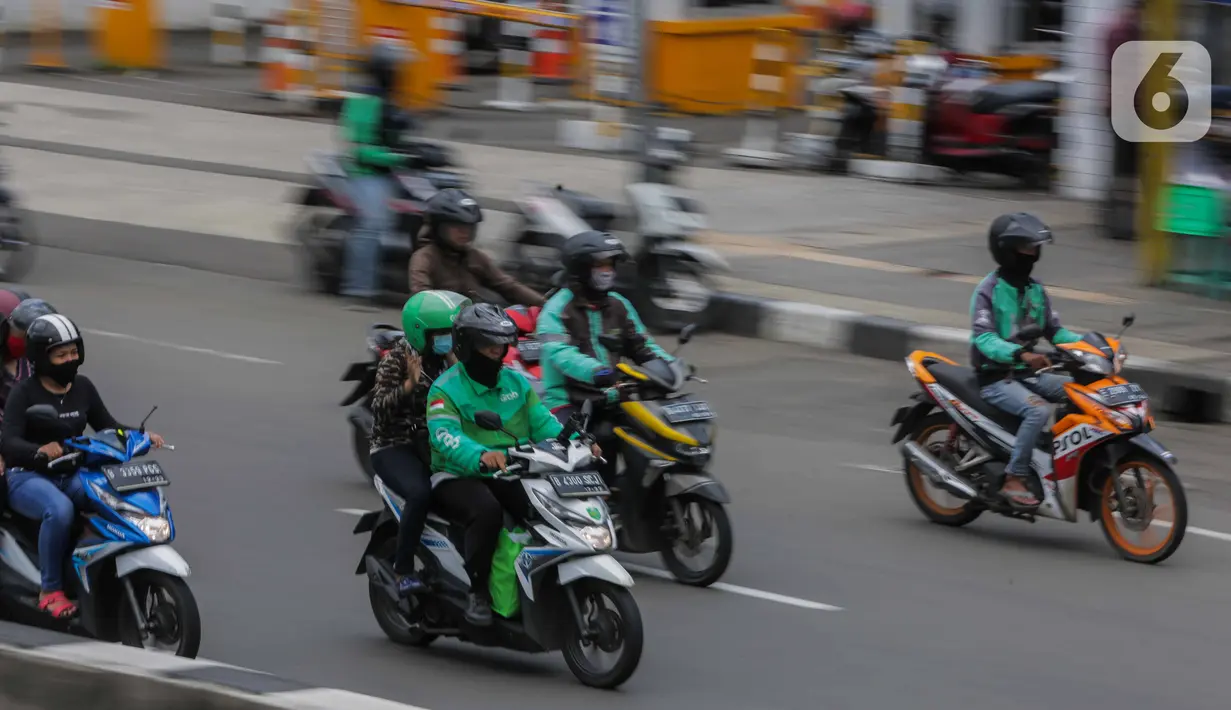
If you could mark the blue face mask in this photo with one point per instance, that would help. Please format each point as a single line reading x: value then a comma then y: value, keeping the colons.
x: 442, y: 344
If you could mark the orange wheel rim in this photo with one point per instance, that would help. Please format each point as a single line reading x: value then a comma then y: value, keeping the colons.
x: 923, y: 486
x: 1159, y: 532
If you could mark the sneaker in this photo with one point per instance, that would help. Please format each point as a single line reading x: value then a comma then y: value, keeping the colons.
x: 478, y: 611
x: 409, y: 584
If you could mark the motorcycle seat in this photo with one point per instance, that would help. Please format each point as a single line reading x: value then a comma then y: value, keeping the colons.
x: 993, y: 97
x: 964, y: 384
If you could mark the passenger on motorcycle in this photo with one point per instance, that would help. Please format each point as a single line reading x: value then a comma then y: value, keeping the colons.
x: 367, y: 121
x: 400, y: 450
x: 465, y: 455
x: 1004, y: 303
x: 16, y: 366
x: 55, y: 347
x: 449, y: 260
x: 570, y: 323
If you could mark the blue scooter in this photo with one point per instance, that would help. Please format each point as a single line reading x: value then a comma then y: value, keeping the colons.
x: 126, y: 578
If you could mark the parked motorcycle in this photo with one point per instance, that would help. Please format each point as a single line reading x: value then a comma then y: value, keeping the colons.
x: 977, y: 124
x: 126, y: 578
x: 17, y: 238
x: 668, y: 278
x: 665, y: 499
x: 381, y: 339
x: 564, y: 570
x: 328, y: 216
x: 1098, y: 457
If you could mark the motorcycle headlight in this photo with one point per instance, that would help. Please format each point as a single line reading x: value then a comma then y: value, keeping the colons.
x: 698, y: 455
x: 156, y: 528
x: 596, y: 536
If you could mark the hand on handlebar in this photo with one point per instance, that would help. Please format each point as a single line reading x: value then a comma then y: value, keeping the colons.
x: 51, y: 451
x: 494, y: 461
x: 1036, y: 361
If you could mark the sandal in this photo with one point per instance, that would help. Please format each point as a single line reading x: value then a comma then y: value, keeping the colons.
x: 1019, y: 498
x: 58, y: 605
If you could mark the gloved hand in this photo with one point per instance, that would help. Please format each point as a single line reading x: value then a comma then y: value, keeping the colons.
x: 605, y: 377
x: 613, y: 395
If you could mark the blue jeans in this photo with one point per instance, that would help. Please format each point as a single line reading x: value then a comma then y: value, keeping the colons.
x: 361, y: 268
x: 1025, y: 397
x: 54, y: 500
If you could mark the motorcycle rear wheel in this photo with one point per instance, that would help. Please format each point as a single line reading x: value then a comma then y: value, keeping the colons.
x: 18, y: 243
x: 918, y: 485
x: 389, y: 617
x: 360, y: 443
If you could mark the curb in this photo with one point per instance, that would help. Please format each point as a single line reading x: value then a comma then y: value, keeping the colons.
x: 45, y: 670
x: 1184, y: 393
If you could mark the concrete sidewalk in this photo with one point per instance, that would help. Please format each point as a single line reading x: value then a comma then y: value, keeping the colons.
x: 813, y: 255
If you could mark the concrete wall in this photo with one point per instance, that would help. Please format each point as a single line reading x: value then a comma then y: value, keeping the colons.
x: 179, y: 14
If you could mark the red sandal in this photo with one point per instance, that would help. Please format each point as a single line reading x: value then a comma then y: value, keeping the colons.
x: 58, y: 605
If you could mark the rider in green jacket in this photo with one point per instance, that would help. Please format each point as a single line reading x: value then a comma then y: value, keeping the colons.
x: 1004, y: 303
x: 465, y: 455
x: 370, y: 123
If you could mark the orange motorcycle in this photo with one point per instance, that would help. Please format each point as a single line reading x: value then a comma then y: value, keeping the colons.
x: 1098, y: 456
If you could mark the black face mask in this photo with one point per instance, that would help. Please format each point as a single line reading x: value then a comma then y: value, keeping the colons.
x: 1017, y: 270
x: 64, y: 373
x: 483, y: 369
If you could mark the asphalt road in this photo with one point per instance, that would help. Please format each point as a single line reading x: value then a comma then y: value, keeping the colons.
x: 1002, y: 613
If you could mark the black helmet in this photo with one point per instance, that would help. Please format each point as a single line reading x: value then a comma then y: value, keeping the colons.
x: 479, y: 326
x: 452, y: 206
x: 382, y: 66
x: 1011, y: 232
x: 47, y: 332
x: 582, y: 251
x: 24, y: 314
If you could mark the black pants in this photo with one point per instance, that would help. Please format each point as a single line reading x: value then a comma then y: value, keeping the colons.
x: 401, y: 468
x: 478, y: 505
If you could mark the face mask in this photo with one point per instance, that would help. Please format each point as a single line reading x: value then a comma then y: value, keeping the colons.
x: 64, y: 373
x: 602, y: 279
x: 16, y: 346
x: 483, y: 369
x: 442, y: 344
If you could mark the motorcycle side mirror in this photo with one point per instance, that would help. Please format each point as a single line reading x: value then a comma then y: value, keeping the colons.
x: 489, y: 420
x: 686, y: 334
x: 1129, y: 320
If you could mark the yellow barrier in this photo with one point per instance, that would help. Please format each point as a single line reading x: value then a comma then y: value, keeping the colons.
x: 701, y: 66
x: 128, y: 34
x: 46, y: 43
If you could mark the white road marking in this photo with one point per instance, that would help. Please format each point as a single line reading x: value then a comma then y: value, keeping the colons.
x: 870, y: 467
x: 720, y: 586
x: 742, y: 591
x: 1225, y: 537
x: 184, y: 348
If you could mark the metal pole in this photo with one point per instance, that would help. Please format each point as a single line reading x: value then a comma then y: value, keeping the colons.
x: 638, y: 94
x: 1159, y: 23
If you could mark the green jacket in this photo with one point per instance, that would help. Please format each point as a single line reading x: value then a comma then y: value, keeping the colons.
x: 362, y: 118
x: 458, y: 443
x: 569, y: 331
x: 997, y: 311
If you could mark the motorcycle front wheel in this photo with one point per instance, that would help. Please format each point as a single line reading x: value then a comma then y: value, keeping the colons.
x: 704, y: 521
x: 1135, y: 523
x: 613, y: 629
x: 674, y: 295
x: 172, y: 620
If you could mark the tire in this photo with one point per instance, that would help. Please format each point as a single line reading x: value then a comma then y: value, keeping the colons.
x: 722, y: 530
x: 916, y: 482
x: 360, y: 443
x: 188, y: 617
x: 388, y: 617
x: 632, y: 635
x: 1171, y: 542
x: 17, y: 263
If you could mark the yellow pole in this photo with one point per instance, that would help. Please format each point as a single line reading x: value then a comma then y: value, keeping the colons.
x: 1154, y: 246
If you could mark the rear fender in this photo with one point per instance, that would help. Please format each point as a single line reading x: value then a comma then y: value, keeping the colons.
x: 906, y: 418
x: 383, y: 527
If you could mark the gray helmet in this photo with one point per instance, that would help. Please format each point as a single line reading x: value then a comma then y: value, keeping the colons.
x: 479, y: 326
x: 1011, y: 232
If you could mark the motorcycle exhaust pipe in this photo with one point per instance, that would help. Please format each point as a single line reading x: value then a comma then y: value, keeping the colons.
x: 937, y: 472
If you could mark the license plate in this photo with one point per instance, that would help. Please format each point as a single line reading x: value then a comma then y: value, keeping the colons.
x: 578, y: 485
x: 687, y: 412
x: 1120, y: 395
x: 136, y: 476
x: 530, y: 350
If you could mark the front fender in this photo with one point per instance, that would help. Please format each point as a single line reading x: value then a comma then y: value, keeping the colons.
x: 1150, y: 445
x: 706, y: 257
x: 160, y: 558
x: 679, y: 484
x: 604, y: 567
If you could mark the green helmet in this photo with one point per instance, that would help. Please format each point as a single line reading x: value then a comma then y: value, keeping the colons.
x: 429, y: 311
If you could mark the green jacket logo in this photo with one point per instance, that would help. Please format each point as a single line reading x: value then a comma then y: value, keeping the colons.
x: 509, y: 396
x: 447, y: 440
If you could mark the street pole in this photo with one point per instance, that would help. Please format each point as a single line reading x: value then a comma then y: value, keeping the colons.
x: 1159, y: 23
x: 638, y: 93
